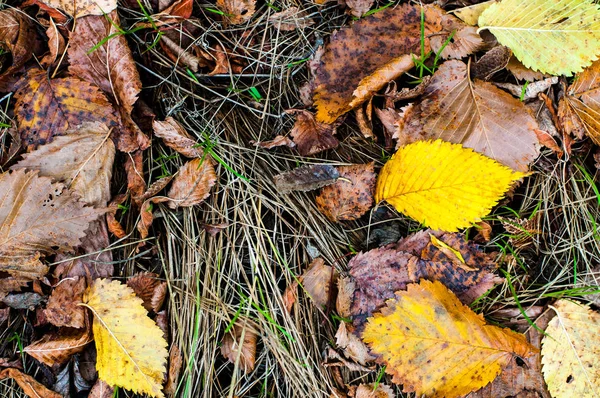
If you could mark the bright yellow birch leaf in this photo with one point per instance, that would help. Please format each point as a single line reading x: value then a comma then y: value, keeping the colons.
x: 558, y: 37
x: 442, y: 185
x: 571, y: 351
x: 131, y: 348
x: 436, y: 346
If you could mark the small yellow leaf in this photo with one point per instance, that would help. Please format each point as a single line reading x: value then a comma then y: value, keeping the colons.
x: 442, y: 185
x: 131, y: 348
x: 436, y: 346
x: 553, y: 36
x: 450, y: 252
x: 571, y: 351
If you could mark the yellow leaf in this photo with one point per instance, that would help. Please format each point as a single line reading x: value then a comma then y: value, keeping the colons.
x: 571, y: 351
x: 131, y: 348
x: 435, y: 346
x: 442, y: 185
x: 470, y: 14
x: 552, y: 36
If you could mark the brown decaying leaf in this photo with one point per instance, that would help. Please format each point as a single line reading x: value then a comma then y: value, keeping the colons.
x: 56, y: 349
x: 129, y: 137
x: 365, y: 124
x: 56, y: 44
x: 579, y: 109
x: 193, y: 183
x: 37, y: 217
x: 10, y: 284
x: 291, y: 18
x: 180, y: 55
x: 531, y: 91
x: 357, y: 51
x: 289, y: 297
x: 30, y: 386
x: 475, y: 114
x: 175, y: 365
x: 17, y: 34
x: 351, y: 195
x: 82, y: 159
x: 23, y: 301
x: 147, y: 215
x: 372, y: 390
x: 521, y: 72
x: 352, y: 345
x: 491, y: 62
x: 415, y: 257
x: 280, y: 140
x: 306, y: 178
x: 357, y: 8
x: 548, y: 141
x: 233, y: 346
x: 311, y: 136
x: 101, y: 390
x: 175, y: 137
x: 49, y: 107
x: 318, y: 281
x: 465, y: 40
x: 237, y: 11
x: 110, y: 66
x: 62, y: 308
x: 147, y: 286
x: 162, y: 320
x: 134, y: 167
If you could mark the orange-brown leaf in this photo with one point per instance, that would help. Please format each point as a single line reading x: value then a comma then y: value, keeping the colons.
x: 30, y: 386
x: 352, y: 194
x: 174, y: 136
x: 311, y: 136
x: 55, y: 349
x: 17, y: 34
x: 240, y: 343
x: 318, y: 282
x: 237, y: 11
x: 193, y: 183
x: 175, y: 365
x: 48, y: 107
x: 62, y: 308
x: 145, y: 285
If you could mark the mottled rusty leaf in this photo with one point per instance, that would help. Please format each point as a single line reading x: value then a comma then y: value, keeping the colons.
x: 145, y: 286
x: 63, y: 307
x: 311, y: 136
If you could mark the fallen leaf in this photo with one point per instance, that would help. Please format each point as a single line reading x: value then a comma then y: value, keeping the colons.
x: 306, y: 178
x: 56, y: 45
x: 192, y: 184
x: 351, y: 195
x: 491, y: 62
x: 10, y: 284
x: 352, y: 345
x: 358, y: 8
x: 81, y: 8
x: 373, y: 390
x: 240, y: 344
x: 443, y: 185
x: 147, y: 215
x: 521, y: 72
x: 63, y: 307
x: 30, y: 386
x: 49, y: 107
x: 530, y: 91
x: 101, y: 390
x: 470, y: 14
x: 17, y: 35
x: 570, y: 360
x: 374, y: 276
x: 175, y: 137
x: 23, y: 301
x: 291, y: 18
x: 237, y: 11
x: 548, y: 141
x: 318, y: 281
x: 82, y: 159
x: 37, y: 217
x: 434, y: 345
x: 132, y: 358
x: 522, y: 232
x: 406, y: 93
x: 144, y: 286
x: 475, y: 114
x: 356, y: 52
x: 109, y: 66
x: 56, y: 349
x: 579, y: 110
x: 280, y: 140
x: 175, y: 365
x: 527, y: 28
x: 465, y: 40
x: 134, y: 167
x: 311, y: 136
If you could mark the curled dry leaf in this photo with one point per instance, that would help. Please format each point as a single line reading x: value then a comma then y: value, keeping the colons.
x: 358, y: 51
x: 30, y: 386
x: 63, y: 307
x: 37, y: 217
x: 237, y: 11
x: 101, y: 390
x: 81, y: 8
x: 530, y: 91
x: 306, y: 178
x: 134, y: 167
x: 372, y: 390
x: 175, y: 365
x: 570, y: 351
x: 146, y: 286
x: 280, y: 140
x: 358, y: 8
x: 351, y: 195
x: 147, y: 215
x: 82, y: 159
x: 521, y: 72
x: 109, y: 66
x: 318, y: 281
x: 132, y: 358
x: 17, y: 35
x: 465, y: 40
x: 291, y: 18
x: 193, y: 183
x: 436, y: 346
x: 56, y: 45
x: 352, y: 345
x: 56, y: 349
x: 416, y: 257
x: 491, y: 62
x: 311, y: 136
x: 240, y: 343
x: 175, y: 137
x: 49, y: 107
x: 475, y: 114
x: 548, y: 141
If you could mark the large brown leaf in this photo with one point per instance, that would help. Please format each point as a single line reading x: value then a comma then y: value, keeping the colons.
x: 57, y: 348
x: 37, y: 217
x: 357, y: 51
x: 82, y: 159
x: 193, y: 183
x: 48, y: 107
x: 63, y: 308
x: 109, y: 66
x: 475, y: 114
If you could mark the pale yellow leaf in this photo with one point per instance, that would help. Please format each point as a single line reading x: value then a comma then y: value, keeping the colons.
x: 442, y: 185
x: 131, y: 348
x: 571, y: 351
x: 436, y: 346
x: 470, y: 14
x: 553, y: 36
